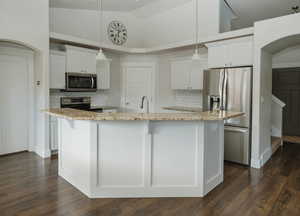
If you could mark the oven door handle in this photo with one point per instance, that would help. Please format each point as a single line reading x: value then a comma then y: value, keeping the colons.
x: 93, y: 82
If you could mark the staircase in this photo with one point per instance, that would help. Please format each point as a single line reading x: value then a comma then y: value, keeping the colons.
x: 277, y: 114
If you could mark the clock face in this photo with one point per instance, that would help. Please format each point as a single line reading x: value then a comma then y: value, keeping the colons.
x: 117, y: 32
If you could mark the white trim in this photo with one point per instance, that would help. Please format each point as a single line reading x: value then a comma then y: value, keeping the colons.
x: 68, y: 47
x: 152, y: 65
x: 259, y: 163
x: 43, y: 153
x: 278, y: 101
x: 222, y: 36
x: 276, y: 132
x: 255, y: 163
x: 29, y: 56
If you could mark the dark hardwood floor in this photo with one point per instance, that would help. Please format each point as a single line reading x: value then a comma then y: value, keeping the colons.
x: 30, y: 186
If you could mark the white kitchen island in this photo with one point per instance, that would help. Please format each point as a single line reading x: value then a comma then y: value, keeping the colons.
x: 141, y: 155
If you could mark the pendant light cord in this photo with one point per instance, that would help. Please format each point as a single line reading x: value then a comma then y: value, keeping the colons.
x: 100, y: 8
x: 197, y: 24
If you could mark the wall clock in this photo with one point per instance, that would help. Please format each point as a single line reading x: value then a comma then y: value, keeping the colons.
x: 117, y: 33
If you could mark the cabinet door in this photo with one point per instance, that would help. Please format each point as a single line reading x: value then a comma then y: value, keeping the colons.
x: 103, y: 73
x: 196, y: 77
x: 81, y: 60
x: 57, y: 70
x: 241, y: 53
x: 180, y: 74
x: 217, y: 55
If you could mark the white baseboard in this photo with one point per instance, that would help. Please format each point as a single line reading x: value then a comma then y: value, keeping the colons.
x: 255, y: 163
x: 276, y: 132
x: 259, y: 163
x: 43, y: 153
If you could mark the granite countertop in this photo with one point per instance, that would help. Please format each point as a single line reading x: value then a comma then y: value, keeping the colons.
x: 73, y: 114
x: 104, y: 107
x: 184, y: 109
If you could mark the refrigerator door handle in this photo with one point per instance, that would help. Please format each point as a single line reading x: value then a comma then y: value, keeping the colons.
x: 225, y: 90
x: 221, y: 88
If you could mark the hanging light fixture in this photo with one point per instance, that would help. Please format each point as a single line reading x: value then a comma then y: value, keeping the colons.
x: 196, y: 55
x: 100, y: 56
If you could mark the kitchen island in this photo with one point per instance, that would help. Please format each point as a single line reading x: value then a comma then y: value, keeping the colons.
x: 107, y: 155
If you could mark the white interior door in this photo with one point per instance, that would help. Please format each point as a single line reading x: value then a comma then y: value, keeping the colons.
x: 137, y: 82
x: 14, y: 97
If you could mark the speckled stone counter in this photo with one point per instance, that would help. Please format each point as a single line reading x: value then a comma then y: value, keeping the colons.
x: 183, y: 109
x: 73, y: 114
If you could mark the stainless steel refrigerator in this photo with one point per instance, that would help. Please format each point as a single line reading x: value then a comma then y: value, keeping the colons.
x: 234, y: 87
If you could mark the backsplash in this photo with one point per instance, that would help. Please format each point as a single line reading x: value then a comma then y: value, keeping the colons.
x: 100, y: 98
x: 188, y: 98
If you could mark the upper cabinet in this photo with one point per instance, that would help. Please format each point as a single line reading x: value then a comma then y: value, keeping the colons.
x: 103, y: 74
x: 187, y: 74
x: 57, y: 69
x: 80, y: 60
x: 231, y: 53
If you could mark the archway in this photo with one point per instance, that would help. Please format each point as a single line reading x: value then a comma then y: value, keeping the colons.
x: 270, y: 37
x: 19, y: 48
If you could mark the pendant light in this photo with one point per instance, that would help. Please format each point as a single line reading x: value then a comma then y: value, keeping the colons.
x: 100, y: 56
x: 196, y: 55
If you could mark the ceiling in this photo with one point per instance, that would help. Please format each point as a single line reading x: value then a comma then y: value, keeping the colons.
x: 110, y: 5
x: 247, y: 11
x: 250, y: 11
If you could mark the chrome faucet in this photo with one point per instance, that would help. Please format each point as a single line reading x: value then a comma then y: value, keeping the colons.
x: 142, y: 103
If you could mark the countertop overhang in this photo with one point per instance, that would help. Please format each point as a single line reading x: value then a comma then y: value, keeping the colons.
x: 73, y: 114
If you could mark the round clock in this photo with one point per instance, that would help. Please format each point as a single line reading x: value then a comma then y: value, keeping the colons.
x: 117, y: 33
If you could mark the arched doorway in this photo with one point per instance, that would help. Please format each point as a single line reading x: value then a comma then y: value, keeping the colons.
x: 270, y: 37
x: 20, y: 68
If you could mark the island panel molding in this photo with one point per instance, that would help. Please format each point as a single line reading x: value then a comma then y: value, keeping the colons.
x: 141, y: 158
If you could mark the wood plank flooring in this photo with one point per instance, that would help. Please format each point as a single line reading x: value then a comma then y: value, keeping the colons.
x: 29, y: 186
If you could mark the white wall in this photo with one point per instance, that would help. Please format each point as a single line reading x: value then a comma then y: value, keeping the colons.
x: 226, y: 16
x: 27, y: 22
x: 177, y: 24
x: 160, y: 23
x: 289, y: 57
x: 86, y: 24
x: 270, y: 37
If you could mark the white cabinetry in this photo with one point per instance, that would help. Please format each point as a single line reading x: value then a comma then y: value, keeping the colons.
x: 231, y: 53
x: 57, y: 69
x: 187, y: 74
x: 81, y: 60
x: 103, y: 74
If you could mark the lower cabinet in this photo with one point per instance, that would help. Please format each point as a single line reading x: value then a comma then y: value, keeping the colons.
x: 53, y: 134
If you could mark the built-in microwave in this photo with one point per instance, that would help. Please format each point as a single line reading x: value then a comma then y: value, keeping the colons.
x: 81, y: 82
